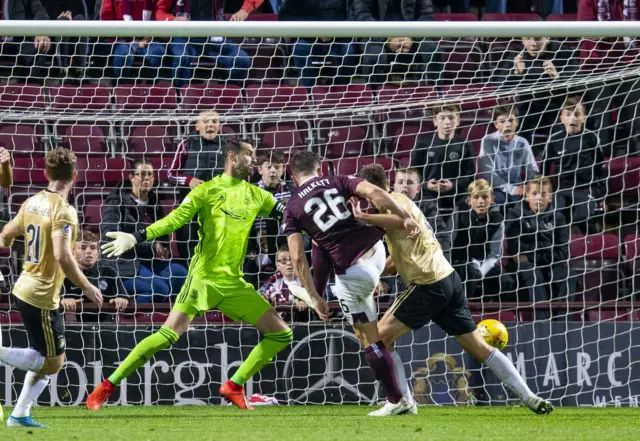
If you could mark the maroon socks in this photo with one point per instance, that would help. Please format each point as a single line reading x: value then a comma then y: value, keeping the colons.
x: 381, y: 363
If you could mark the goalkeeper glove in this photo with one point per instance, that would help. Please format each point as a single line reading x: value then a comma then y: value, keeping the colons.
x: 123, y: 242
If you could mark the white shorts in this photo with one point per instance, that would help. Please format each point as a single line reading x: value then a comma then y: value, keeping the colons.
x: 355, y: 288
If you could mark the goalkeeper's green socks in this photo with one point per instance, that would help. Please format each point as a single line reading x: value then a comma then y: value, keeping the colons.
x: 262, y: 354
x: 156, y: 342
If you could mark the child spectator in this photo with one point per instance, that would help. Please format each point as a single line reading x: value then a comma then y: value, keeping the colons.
x: 540, y: 61
x: 407, y: 182
x: 478, y: 234
x: 198, y: 159
x: 87, y: 253
x: 445, y: 159
x: 263, y: 245
x: 505, y: 157
x: 276, y: 288
x: 575, y: 154
x: 538, y: 245
x: 125, y: 51
x: 146, y: 270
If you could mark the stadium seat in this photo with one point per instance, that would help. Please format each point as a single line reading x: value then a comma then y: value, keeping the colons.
x: 149, y: 139
x: 470, y: 96
x: 511, y: 17
x: 608, y: 315
x: 624, y: 176
x: 101, y: 172
x: 273, y: 98
x: 22, y: 139
x: 88, y: 99
x: 85, y: 139
x: 474, y: 134
x: 455, y: 17
x: 462, y: 62
x: 92, y: 214
x: 402, y: 137
x: 413, y: 98
x: 503, y: 316
x: 351, y: 166
x: 562, y: 17
x: 353, y: 95
x: 145, y: 98
x: 223, y: 98
x: 29, y: 171
x: 288, y: 137
x: 22, y: 97
x: 161, y: 165
x: 8, y: 318
x: 341, y: 138
x: 594, y: 259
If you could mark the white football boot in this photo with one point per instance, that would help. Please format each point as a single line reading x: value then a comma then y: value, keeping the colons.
x: 390, y: 409
x: 539, y: 405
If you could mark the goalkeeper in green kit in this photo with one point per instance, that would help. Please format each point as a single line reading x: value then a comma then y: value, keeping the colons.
x: 226, y: 207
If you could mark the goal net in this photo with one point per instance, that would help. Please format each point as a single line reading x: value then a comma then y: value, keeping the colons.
x: 553, y: 258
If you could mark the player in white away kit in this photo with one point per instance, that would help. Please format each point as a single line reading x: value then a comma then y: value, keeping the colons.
x: 434, y: 293
x: 353, y: 250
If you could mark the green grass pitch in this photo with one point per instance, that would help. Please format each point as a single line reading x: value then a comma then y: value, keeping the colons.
x: 327, y: 423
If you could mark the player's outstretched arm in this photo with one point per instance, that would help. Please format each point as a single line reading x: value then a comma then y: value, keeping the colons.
x: 384, y: 202
x: 63, y: 254
x: 385, y: 221
x: 9, y: 233
x: 301, y: 266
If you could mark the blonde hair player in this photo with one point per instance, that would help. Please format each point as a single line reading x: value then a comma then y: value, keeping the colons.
x: 49, y: 225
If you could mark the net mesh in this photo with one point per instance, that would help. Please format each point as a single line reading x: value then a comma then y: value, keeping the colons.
x: 564, y: 281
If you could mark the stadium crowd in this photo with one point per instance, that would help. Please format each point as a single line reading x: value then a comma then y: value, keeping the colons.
x: 503, y: 210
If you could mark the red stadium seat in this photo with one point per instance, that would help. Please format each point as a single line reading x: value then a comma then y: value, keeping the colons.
x: 341, y: 138
x: 398, y: 97
x: 285, y: 136
x: 22, y: 97
x: 353, y: 95
x: 274, y: 98
x: 455, y: 17
x: 92, y: 214
x: 101, y: 172
x: 624, y: 176
x: 155, y: 139
x: 351, y: 166
x: 595, y: 259
x: 84, y: 139
x: 462, y: 62
x: 608, y: 315
x: 81, y: 99
x: 403, y: 137
x: 473, y: 96
x: 29, y: 171
x: 223, y: 98
x: 22, y: 139
x: 511, y: 17
x: 562, y: 17
x: 145, y: 98
x: 503, y: 316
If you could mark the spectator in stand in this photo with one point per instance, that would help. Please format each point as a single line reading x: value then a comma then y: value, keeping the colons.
x: 540, y: 61
x: 538, y: 245
x: 381, y: 55
x: 575, y: 154
x: 446, y: 159
x: 87, y: 253
x: 188, y: 52
x: 407, y: 182
x: 30, y: 56
x: 478, y: 234
x: 125, y: 51
x: 198, y: 159
x: 276, y: 288
x: 146, y: 270
x: 330, y: 59
x: 610, y: 54
x: 264, y: 238
x: 505, y: 156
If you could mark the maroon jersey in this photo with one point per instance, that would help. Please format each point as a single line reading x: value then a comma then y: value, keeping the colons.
x: 319, y: 207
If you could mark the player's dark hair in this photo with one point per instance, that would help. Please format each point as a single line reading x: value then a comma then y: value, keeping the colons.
x: 304, y: 163
x: 233, y: 144
x: 374, y: 174
x: 505, y: 111
x: 270, y: 156
x: 60, y: 164
x: 87, y: 236
x: 138, y: 162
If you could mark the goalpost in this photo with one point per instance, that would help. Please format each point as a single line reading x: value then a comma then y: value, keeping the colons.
x: 579, y: 348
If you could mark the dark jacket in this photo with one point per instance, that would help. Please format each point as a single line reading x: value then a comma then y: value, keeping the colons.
x: 376, y: 10
x: 543, y: 238
x: 578, y: 160
x: 438, y: 225
x: 105, y: 278
x: 24, y: 10
x: 204, y: 158
x: 476, y: 237
x: 122, y: 213
x: 316, y: 10
x: 438, y: 159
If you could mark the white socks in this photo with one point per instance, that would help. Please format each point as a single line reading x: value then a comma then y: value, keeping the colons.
x: 401, y: 376
x: 508, y: 374
x: 23, y: 359
x: 34, y: 384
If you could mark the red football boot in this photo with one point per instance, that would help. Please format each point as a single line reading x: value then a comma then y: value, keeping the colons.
x: 235, y: 394
x: 100, y: 395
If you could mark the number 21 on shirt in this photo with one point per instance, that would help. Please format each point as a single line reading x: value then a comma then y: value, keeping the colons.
x: 33, y: 243
x: 330, y: 202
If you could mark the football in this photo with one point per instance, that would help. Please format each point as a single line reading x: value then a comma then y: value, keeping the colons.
x: 494, y: 333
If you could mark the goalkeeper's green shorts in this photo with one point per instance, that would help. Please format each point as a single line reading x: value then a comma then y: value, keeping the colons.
x: 241, y: 302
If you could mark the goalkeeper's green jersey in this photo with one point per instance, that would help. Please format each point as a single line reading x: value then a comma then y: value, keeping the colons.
x: 226, y: 209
